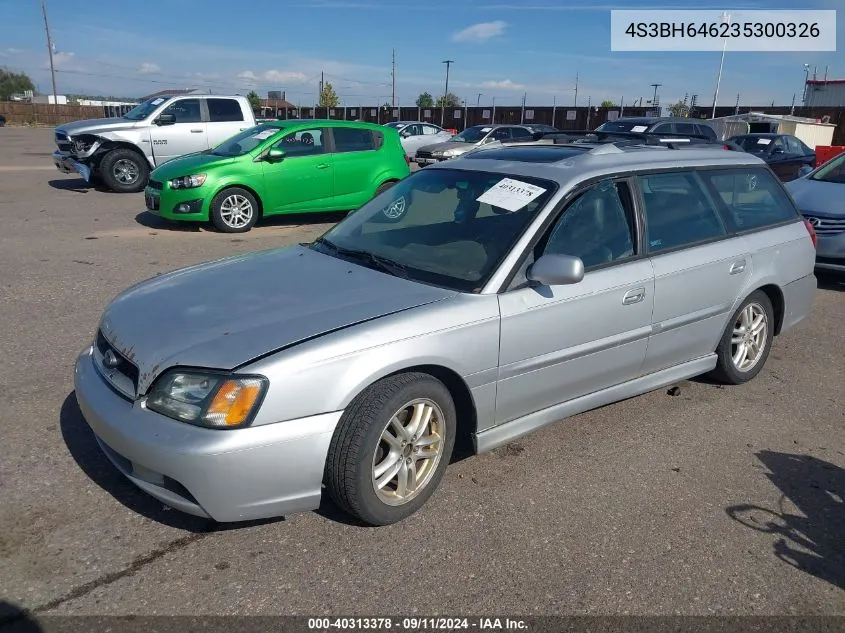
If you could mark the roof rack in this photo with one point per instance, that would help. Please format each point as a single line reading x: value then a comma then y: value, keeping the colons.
x: 623, y: 139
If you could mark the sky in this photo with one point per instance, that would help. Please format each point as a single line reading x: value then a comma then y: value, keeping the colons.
x: 501, y: 50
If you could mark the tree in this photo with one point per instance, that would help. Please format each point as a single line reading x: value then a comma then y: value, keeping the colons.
x: 679, y: 109
x: 387, y: 105
x: 254, y: 100
x: 449, y: 101
x: 12, y: 83
x: 328, y: 97
x: 607, y: 103
x: 425, y: 100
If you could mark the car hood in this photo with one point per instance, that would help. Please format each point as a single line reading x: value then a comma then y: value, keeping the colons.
x: 447, y: 145
x: 818, y: 197
x: 225, y: 313
x: 96, y: 126
x: 191, y: 164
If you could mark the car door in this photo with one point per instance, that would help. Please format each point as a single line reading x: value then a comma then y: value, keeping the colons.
x: 186, y: 136
x: 356, y: 164
x: 225, y: 119
x: 779, y: 159
x: 561, y: 342
x: 435, y: 134
x: 801, y: 157
x: 303, y: 180
x: 699, y: 269
x: 413, y: 138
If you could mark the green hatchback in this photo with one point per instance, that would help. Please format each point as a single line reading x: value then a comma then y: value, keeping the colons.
x: 279, y: 167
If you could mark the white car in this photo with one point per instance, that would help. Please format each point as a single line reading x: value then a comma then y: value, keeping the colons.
x: 415, y: 134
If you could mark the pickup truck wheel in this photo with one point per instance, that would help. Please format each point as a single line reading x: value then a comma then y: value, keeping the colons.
x: 747, y: 340
x: 391, y: 448
x: 124, y: 171
x: 234, y: 210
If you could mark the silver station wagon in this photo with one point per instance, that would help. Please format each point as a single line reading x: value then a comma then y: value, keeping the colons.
x: 481, y: 299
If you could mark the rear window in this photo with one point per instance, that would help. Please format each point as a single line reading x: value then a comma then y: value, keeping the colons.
x: 753, y: 197
x: 224, y: 110
x: 349, y: 139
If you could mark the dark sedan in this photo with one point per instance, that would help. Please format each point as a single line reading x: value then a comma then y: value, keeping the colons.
x: 787, y: 155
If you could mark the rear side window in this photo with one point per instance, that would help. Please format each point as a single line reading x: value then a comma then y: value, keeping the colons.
x: 224, y: 110
x: 753, y: 197
x: 686, y: 128
x: 349, y: 139
x: 678, y: 211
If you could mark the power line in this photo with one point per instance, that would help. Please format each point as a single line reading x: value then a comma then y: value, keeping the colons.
x: 50, y: 50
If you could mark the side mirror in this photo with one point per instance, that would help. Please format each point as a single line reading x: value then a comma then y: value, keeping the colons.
x: 275, y: 155
x: 556, y: 270
x: 166, y: 119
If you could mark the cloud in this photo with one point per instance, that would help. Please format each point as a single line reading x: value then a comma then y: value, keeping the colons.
x: 505, y: 84
x: 13, y: 51
x: 147, y: 68
x: 480, y: 32
x: 62, y: 59
x: 285, y: 76
x: 248, y: 75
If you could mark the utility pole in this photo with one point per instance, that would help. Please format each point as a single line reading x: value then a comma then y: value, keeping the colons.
x: 50, y: 50
x: 322, y: 83
x: 448, y: 63
x: 654, y: 102
x: 726, y: 19
x: 622, y: 105
x: 554, y: 107
x: 576, y: 90
x: 736, y: 108
x: 522, y: 116
x: 493, y: 115
x: 478, y: 101
x: 393, y: 76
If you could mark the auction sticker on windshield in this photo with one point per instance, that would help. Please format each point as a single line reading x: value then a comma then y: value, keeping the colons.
x: 265, y: 134
x: 510, y: 194
x: 157, y: 101
x: 763, y: 141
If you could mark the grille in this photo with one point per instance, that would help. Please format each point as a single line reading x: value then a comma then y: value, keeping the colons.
x: 827, y: 226
x: 156, y: 184
x: 124, y: 376
x: 424, y: 154
x: 63, y: 142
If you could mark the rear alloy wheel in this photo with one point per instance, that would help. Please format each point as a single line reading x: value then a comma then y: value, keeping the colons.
x: 124, y: 171
x: 391, y: 448
x: 747, y: 340
x: 234, y: 210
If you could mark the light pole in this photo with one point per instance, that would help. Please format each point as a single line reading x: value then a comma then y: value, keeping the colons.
x: 726, y: 18
x: 806, y: 79
x: 448, y: 63
x: 478, y: 101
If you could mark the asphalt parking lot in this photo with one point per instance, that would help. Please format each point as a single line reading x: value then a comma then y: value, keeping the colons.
x: 696, y: 500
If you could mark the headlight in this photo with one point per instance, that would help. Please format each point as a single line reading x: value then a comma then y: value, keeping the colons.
x: 188, y: 182
x: 451, y: 153
x: 220, y: 401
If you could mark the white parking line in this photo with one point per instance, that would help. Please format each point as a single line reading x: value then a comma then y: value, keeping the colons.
x: 4, y: 168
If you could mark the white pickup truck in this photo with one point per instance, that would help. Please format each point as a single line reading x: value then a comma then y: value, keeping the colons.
x: 120, y: 152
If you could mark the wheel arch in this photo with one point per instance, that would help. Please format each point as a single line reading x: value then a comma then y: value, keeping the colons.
x: 109, y: 145
x: 775, y: 295
x: 231, y: 185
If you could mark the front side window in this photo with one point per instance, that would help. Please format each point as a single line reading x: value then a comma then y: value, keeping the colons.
x: 302, y: 143
x: 598, y: 226
x: 753, y: 197
x: 431, y: 129
x: 446, y: 227
x: 678, y: 211
x: 501, y: 134
x: 472, y: 134
x: 349, y: 139
x: 186, y: 110
x: 224, y: 110
x: 833, y: 171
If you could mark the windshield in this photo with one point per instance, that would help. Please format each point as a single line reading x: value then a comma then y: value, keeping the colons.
x: 471, y: 135
x: 145, y: 109
x: 438, y: 226
x: 754, y: 144
x: 833, y: 171
x: 246, y: 141
x: 623, y: 126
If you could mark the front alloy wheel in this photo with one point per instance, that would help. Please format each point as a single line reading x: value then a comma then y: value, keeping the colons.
x: 234, y: 210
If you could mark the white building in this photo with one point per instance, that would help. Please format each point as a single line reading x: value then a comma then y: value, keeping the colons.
x: 824, y: 92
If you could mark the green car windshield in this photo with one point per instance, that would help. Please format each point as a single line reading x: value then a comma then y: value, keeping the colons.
x: 246, y: 141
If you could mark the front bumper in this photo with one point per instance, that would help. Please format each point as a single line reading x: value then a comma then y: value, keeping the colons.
x: 68, y: 165
x: 257, y: 472
x: 830, y: 252
x: 166, y: 202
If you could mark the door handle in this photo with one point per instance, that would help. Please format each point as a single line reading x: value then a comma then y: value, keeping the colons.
x: 196, y: 131
x: 633, y: 296
x: 737, y: 267
x: 323, y: 166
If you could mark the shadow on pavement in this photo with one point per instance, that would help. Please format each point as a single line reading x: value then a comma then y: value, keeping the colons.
x: 13, y: 619
x: 86, y: 452
x: 813, y: 542
x: 77, y: 185
x: 152, y: 221
x: 830, y: 281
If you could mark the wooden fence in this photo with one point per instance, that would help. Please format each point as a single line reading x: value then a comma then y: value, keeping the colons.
x: 562, y: 117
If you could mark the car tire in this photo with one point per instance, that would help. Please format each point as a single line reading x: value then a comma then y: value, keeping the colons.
x: 742, y: 354
x: 370, y: 455
x: 124, y: 171
x: 234, y: 210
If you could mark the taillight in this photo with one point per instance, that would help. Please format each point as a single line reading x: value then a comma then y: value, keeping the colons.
x: 726, y: 147
x: 812, y: 233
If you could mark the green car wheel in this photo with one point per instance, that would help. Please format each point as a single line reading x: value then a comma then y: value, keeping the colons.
x: 234, y: 210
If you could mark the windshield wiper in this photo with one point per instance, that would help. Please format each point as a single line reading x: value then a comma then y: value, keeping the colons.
x: 379, y: 262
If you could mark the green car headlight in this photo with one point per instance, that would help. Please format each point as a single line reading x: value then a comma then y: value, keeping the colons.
x: 188, y: 182
x: 214, y: 400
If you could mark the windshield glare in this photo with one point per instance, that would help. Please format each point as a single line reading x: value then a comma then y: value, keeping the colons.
x: 246, y: 141
x: 471, y: 135
x: 834, y: 171
x: 622, y: 126
x: 433, y: 225
x: 145, y: 109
